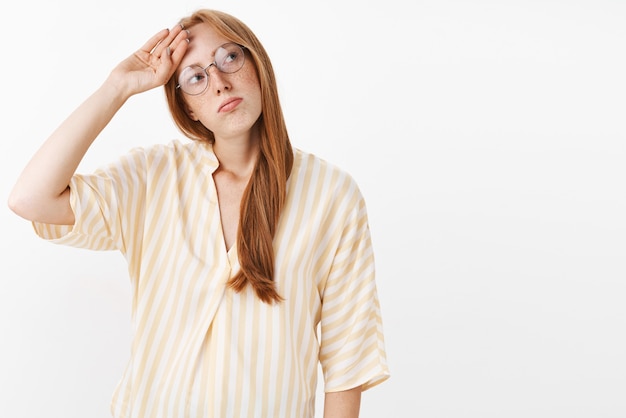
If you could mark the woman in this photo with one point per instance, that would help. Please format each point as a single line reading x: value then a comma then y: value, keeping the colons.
x: 239, y: 246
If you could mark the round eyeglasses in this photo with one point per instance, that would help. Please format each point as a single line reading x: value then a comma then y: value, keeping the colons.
x: 194, y: 80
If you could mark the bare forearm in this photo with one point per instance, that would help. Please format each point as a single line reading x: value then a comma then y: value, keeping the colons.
x: 40, y: 191
x: 344, y: 404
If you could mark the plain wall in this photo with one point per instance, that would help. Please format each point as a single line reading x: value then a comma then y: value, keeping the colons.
x: 488, y: 138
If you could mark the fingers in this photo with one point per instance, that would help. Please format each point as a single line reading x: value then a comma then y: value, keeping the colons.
x: 178, y: 46
x: 166, y: 41
x: 163, y: 52
x: 170, y: 51
x: 153, y: 42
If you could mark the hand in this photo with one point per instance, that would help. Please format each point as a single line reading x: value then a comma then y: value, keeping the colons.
x: 153, y: 64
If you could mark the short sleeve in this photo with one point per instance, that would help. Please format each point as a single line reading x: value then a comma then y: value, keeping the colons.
x: 352, y: 349
x: 105, y: 204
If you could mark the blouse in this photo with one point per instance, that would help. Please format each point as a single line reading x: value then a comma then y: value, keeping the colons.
x: 200, y: 349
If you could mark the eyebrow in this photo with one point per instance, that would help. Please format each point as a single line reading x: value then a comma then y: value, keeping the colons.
x: 212, y: 56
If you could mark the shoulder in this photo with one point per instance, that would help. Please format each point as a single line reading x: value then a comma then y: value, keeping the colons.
x: 306, y: 162
x: 176, y: 147
x: 323, y: 185
x: 176, y: 152
x: 312, y: 169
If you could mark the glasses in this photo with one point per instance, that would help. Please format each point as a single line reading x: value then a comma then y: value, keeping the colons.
x: 194, y: 80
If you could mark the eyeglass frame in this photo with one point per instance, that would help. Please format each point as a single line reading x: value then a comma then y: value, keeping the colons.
x: 214, y: 63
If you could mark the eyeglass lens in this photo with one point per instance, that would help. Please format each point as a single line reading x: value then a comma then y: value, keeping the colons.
x: 194, y: 79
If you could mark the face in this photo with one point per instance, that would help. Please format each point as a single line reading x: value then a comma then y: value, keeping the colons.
x: 231, y: 104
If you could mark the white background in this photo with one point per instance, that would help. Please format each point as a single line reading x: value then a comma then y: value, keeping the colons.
x: 488, y: 138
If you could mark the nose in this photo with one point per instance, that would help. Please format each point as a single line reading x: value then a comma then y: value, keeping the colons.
x: 217, y: 79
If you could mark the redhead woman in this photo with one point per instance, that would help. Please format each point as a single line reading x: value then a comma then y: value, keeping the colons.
x: 250, y: 260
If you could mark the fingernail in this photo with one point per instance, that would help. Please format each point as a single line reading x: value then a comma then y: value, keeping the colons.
x: 167, y: 51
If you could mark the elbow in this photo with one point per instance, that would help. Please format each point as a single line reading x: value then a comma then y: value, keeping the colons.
x: 19, y: 204
x: 37, y: 208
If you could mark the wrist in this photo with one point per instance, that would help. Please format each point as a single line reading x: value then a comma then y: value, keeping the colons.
x: 116, y: 89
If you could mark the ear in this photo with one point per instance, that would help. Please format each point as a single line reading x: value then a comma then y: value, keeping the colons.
x: 190, y: 113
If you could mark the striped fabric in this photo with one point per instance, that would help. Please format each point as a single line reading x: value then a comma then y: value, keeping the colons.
x: 200, y: 349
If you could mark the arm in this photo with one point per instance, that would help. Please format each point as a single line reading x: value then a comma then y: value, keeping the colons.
x: 41, y: 192
x: 344, y: 404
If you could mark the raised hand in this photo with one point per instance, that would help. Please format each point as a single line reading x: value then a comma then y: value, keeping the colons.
x: 41, y: 192
x: 153, y: 64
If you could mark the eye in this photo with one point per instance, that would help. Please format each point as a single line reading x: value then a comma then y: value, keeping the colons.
x: 232, y: 56
x: 192, y: 76
x: 229, y: 57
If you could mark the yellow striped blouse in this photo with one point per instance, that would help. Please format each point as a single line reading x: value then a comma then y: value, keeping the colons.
x: 200, y: 349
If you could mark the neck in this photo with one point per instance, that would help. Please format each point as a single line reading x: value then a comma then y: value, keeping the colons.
x: 237, y: 156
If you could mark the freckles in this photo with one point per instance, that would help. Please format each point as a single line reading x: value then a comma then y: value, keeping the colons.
x: 248, y: 76
x: 248, y: 73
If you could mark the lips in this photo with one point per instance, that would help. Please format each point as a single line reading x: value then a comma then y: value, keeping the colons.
x: 229, y: 104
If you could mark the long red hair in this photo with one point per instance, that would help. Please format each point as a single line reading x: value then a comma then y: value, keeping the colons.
x: 265, y: 194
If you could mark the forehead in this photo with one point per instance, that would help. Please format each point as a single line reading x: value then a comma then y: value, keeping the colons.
x: 203, y: 42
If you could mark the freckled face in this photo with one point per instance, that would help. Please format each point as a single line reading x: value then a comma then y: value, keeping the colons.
x: 231, y: 104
